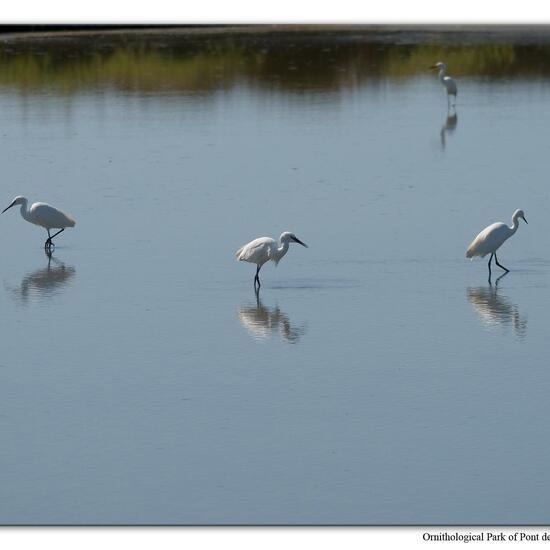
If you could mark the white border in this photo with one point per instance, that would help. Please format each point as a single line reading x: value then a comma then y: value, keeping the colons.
x: 257, y: 11
x: 276, y: 11
x: 255, y: 538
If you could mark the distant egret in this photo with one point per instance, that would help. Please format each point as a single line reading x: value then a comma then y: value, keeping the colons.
x: 447, y: 81
x: 492, y: 238
x: 44, y: 215
x: 261, y: 250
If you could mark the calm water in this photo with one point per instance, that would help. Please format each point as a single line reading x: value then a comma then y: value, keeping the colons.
x: 378, y: 378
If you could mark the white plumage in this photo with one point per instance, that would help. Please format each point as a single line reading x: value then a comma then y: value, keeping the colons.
x: 492, y: 237
x: 448, y: 83
x: 44, y: 215
x: 261, y: 250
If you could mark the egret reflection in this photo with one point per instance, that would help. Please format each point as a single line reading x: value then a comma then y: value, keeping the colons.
x: 496, y: 310
x: 263, y: 322
x: 448, y: 127
x: 46, y: 281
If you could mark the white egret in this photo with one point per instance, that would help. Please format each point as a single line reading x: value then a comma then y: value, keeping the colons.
x: 492, y: 238
x: 261, y: 250
x: 44, y: 215
x: 447, y: 81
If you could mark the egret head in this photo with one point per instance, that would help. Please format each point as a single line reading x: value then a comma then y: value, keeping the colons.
x: 519, y: 214
x: 288, y: 237
x: 439, y: 65
x: 18, y: 200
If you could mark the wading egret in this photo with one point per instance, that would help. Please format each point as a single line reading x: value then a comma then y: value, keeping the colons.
x: 492, y: 237
x: 44, y: 215
x: 447, y: 81
x: 261, y: 250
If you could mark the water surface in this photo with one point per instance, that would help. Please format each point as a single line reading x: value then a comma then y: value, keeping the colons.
x: 377, y: 378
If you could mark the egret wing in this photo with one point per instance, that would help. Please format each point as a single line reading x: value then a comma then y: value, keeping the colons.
x: 488, y: 240
x: 450, y: 84
x: 256, y: 251
x: 47, y: 216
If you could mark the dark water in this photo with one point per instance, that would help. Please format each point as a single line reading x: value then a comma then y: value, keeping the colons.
x: 377, y: 378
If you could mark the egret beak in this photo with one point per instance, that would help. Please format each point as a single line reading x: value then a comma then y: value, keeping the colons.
x: 296, y: 240
x: 12, y: 204
x: 524, y: 220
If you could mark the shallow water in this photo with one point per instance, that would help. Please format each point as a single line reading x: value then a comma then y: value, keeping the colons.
x: 377, y: 378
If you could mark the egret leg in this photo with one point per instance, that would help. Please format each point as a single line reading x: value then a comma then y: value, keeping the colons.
x: 499, y: 278
x: 489, y: 265
x: 56, y: 234
x: 256, y: 278
x: 501, y: 266
x: 48, y: 242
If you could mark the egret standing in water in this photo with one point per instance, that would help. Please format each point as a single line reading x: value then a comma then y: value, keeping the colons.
x: 261, y: 250
x: 447, y: 81
x: 44, y: 215
x: 492, y: 238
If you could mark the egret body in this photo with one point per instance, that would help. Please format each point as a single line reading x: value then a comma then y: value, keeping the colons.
x: 492, y: 238
x: 448, y: 83
x: 44, y: 215
x: 261, y: 250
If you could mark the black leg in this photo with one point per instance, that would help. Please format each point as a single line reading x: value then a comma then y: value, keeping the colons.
x: 501, y: 266
x: 499, y: 278
x: 489, y: 265
x: 56, y: 234
x: 49, y: 243
x: 257, y: 278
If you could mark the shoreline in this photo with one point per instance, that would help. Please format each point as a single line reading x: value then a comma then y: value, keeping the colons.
x: 407, y: 32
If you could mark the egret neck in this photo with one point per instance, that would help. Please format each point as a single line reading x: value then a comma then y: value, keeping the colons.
x: 281, y: 251
x: 515, y: 222
x: 25, y: 211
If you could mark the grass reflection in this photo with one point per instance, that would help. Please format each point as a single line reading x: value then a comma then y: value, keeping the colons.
x: 288, y: 61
